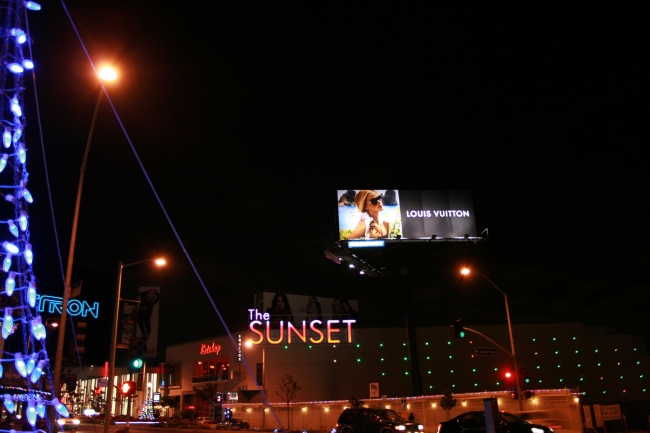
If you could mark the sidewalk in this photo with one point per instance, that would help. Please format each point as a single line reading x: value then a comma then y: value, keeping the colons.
x: 147, y: 427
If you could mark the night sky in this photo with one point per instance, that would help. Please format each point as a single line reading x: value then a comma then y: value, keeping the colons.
x: 248, y: 117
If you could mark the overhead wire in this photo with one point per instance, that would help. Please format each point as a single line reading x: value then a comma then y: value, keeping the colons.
x: 162, y: 207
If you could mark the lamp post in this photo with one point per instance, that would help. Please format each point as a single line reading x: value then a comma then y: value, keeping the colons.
x: 106, y: 74
x: 249, y: 343
x: 520, y: 397
x: 108, y: 412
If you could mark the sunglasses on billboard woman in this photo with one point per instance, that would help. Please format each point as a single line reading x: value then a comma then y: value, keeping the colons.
x: 376, y: 200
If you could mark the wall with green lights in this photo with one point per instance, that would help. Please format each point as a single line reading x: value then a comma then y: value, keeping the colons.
x: 602, y: 365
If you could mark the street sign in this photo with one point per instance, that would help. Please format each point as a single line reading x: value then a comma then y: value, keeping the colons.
x: 487, y: 351
x: 102, y: 382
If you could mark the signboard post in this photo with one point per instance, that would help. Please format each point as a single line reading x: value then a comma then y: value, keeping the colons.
x: 374, y: 390
x: 126, y: 323
x: 487, y: 351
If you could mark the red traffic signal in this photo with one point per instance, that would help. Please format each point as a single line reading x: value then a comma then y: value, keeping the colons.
x: 127, y: 388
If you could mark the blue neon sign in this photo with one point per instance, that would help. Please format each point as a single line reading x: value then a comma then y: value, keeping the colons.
x: 54, y: 304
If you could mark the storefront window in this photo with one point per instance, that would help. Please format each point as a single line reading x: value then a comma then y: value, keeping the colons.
x: 171, y: 376
x: 211, y: 370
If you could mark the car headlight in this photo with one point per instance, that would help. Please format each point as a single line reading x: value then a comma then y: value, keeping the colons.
x: 536, y: 430
x: 420, y: 427
x: 400, y: 427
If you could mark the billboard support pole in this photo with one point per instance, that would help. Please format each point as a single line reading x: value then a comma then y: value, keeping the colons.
x: 416, y: 385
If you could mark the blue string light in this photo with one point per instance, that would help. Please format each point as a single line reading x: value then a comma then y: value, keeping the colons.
x: 21, y: 322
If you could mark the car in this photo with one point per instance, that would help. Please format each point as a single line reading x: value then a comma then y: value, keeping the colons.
x: 68, y: 423
x: 202, y: 420
x: 474, y: 422
x: 375, y: 420
x: 552, y: 419
x: 234, y: 424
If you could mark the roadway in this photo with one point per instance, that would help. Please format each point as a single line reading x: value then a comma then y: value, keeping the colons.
x: 119, y: 428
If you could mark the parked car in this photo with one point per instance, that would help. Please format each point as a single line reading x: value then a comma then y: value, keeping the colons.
x: 375, y: 420
x: 549, y: 418
x: 234, y: 424
x: 474, y: 422
x: 202, y: 420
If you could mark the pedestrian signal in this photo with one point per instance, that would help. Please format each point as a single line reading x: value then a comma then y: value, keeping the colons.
x: 127, y: 388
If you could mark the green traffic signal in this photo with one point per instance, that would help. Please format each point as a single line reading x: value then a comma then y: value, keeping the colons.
x: 458, y: 329
x: 523, y: 374
x: 135, y: 365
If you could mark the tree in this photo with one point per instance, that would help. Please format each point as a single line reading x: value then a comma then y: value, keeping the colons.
x: 288, y: 390
x: 447, y: 402
x: 355, y: 403
x: 167, y: 401
x: 206, y: 393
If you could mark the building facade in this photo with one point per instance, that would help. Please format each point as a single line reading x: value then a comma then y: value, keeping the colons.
x: 574, y: 359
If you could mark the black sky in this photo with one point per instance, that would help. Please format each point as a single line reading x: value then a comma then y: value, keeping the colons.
x: 248, y: 117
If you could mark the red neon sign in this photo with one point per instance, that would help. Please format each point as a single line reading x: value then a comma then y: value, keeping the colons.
x: 212, y: 348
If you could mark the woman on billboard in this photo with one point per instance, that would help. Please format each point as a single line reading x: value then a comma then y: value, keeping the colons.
x: 371, y: 225
x: 279, y: 310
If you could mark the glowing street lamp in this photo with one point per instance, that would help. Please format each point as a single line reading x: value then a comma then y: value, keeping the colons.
x: 106, y: 74
x: 108, y: 413
x: 466, y: 271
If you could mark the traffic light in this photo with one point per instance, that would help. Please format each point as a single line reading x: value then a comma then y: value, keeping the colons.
x: 126, y: 388
x: 135, y: 364
x: 71, y: 382
x: 80, y: 333
x: 514, y: 395
x: 228, y: 413
x: 216, y: 409
x: 458, y: 329
x: 523, y: 375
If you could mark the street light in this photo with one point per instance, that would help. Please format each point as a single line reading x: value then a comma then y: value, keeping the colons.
x: 106, y: 74
x: 108, y: 412
x: 466, y: 271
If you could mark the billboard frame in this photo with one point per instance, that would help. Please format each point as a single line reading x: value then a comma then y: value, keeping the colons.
x: 410, y: 215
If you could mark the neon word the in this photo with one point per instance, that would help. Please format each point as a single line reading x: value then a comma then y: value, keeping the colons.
x: 75, y: 307
x: 315, y: 336
x: 207, y: 349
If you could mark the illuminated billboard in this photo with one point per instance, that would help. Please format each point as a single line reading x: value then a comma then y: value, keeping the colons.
x: 283, y: 318
x: 289, y: 307
x: 391, y: 215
